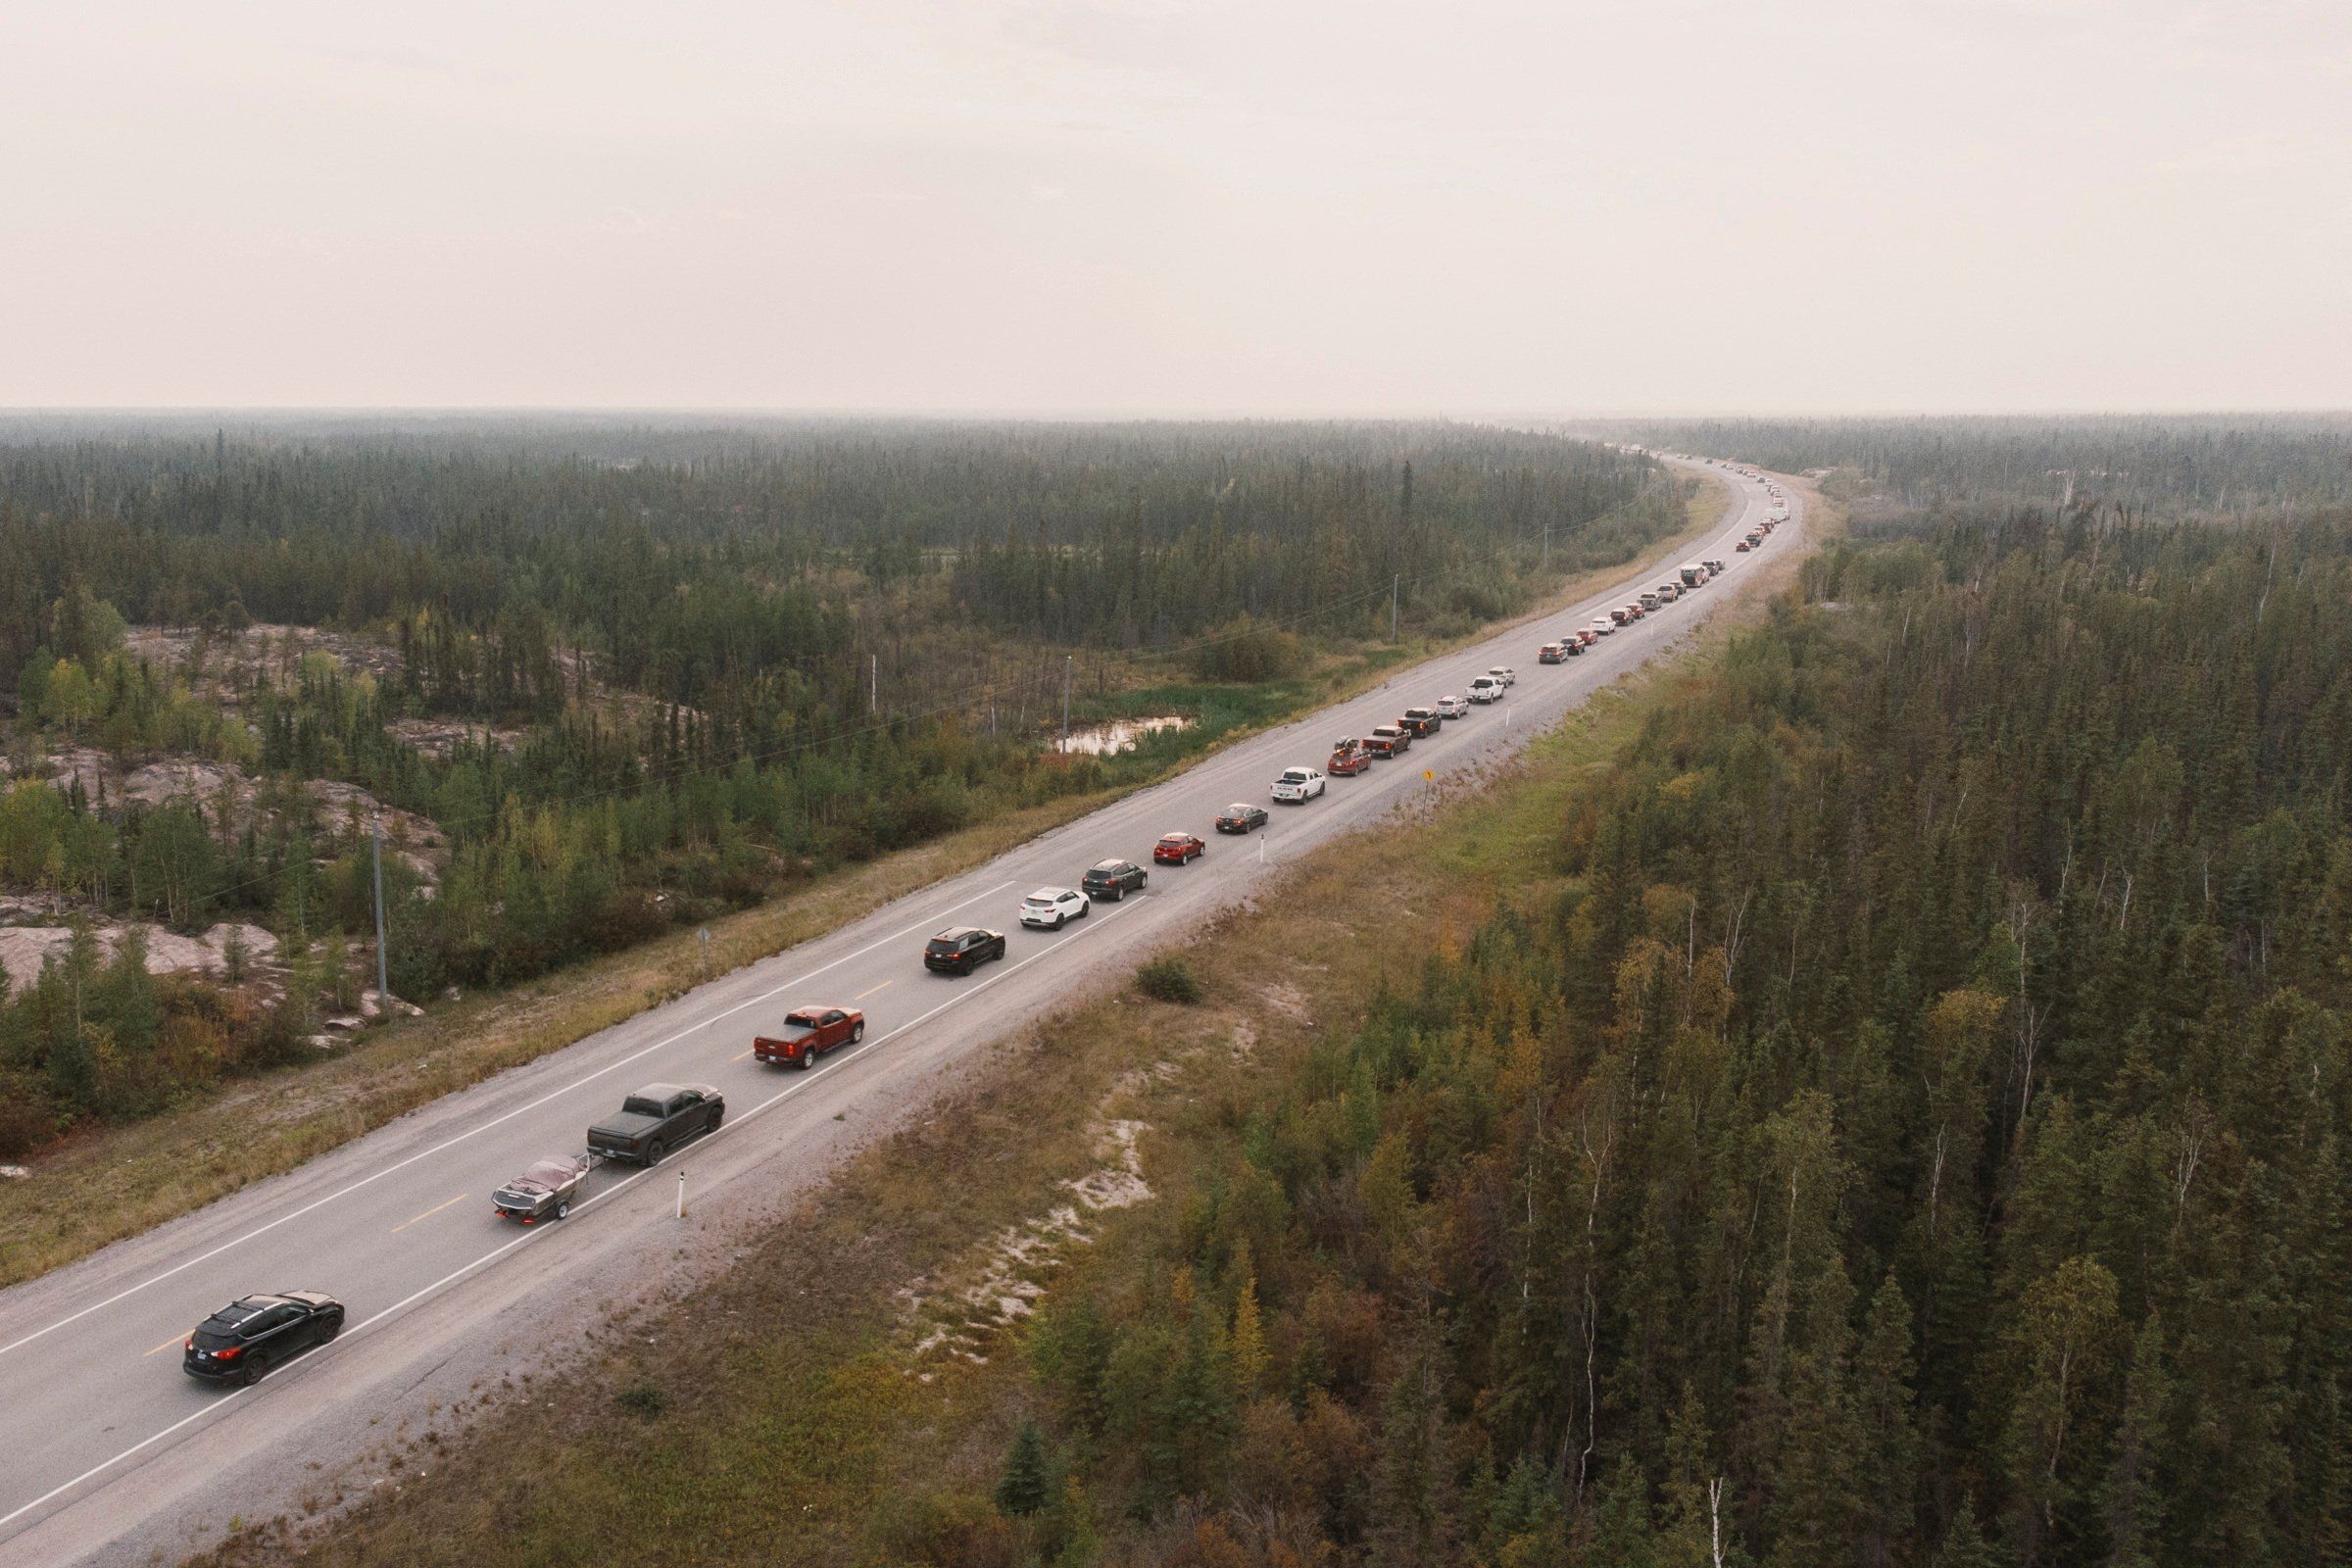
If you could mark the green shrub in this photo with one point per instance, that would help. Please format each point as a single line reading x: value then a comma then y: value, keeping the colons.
x: 1169, y: 979
x: 643, y: 1399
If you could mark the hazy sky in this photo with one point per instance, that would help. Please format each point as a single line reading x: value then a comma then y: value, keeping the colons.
x: 1082, y: 206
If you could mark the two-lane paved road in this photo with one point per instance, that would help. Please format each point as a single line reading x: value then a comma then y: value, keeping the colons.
x: 113, y: 1453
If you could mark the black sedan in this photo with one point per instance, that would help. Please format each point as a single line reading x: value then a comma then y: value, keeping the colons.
x: 1241, y: 818
x: 960, y: 950
x: 246, y: 1338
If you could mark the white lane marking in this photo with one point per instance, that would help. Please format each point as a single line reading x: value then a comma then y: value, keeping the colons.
x: 451, y: 1142
x: 96, y: 1469
x: 962, y: 994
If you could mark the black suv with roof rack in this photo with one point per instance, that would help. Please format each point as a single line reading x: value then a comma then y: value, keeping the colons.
x: 246, y: 1338
x: 962, y: 948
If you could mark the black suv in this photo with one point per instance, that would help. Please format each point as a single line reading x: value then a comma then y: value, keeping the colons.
x: 1112, y: 881
x: 246, y: 1338
x: 960, y: 950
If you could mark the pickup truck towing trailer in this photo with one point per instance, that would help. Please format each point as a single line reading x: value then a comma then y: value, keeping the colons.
x: 655, y: 1121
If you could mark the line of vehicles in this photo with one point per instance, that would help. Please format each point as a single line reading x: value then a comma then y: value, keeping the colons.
x: 244, y: 1340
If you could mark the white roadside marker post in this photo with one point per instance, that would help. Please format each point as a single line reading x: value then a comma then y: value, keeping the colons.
x: 681, y: 1195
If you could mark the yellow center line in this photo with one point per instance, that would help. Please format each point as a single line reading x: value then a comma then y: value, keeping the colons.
x: 862, y: 994
x: 176, y: 1339
x: 740, y: 1056
x: 427, y: 1214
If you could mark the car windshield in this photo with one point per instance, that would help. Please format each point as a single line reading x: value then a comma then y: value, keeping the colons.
x: 639, y: 1105
x: 1174, y: 838
x: 1294, y: 775
x: 1237, y: 808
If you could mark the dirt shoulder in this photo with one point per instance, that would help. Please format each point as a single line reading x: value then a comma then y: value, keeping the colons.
x: 855, y: 1376
x: 118, y: 1182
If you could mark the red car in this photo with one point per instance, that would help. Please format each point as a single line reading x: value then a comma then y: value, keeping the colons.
x: 1348, y: 758
x: 1174, y: 849
x: 809, y: 1033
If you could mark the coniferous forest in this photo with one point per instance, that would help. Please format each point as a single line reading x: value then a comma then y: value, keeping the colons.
x: 1920, y: 1133
x: 606, y: 677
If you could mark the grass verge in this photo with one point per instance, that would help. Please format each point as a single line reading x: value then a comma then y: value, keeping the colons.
x: 715, y: 1432
x: 122, y: 1181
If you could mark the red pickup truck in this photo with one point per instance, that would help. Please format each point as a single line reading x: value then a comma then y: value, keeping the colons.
x: 809, y: 1033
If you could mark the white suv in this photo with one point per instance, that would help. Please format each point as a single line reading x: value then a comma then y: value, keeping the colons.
x: 1502, y: 675
x: 1051, y: 908
x: 1451, y: 706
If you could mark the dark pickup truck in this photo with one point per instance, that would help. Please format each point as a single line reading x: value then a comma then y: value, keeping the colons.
x: 655, y: 1121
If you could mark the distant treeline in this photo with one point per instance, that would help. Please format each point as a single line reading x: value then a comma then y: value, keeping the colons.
x: 2164, y: 465
x: 1921, y: 1133
x: 714, y: 559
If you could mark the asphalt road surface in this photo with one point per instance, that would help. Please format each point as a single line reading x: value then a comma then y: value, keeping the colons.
x: 113, y: 1455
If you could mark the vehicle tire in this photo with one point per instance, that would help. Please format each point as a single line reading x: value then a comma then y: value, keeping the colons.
x: 257, y: 1367
x: 1086, y: 908
x: 333, y: 1327
x: 653, y: 1153
x: 1116, y: 894
x: 856, y: 1033
x: 1060, y: 921
x: 564, y: 1210
x: 807, y: 1059
x: 715, y: 1121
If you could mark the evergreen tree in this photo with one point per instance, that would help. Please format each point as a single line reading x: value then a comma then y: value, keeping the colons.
x: 1026, y: 1485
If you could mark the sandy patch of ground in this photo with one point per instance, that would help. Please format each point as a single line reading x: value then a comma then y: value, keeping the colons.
x: 24, y: 949
x: 957, y: 1312
x: 224, y: 788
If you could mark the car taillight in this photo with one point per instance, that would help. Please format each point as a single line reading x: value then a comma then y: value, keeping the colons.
x: 228, y: 1352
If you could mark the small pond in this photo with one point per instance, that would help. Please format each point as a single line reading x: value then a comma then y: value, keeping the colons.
x: 1119, y: 735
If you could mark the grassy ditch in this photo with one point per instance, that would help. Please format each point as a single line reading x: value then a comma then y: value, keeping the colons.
x: 112, y: 1183
x: 707, y: 1433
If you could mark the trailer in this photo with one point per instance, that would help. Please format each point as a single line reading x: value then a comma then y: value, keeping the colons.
x: 545, y: 1191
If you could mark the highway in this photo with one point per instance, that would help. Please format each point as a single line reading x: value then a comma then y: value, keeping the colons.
x: 113, y: 1454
